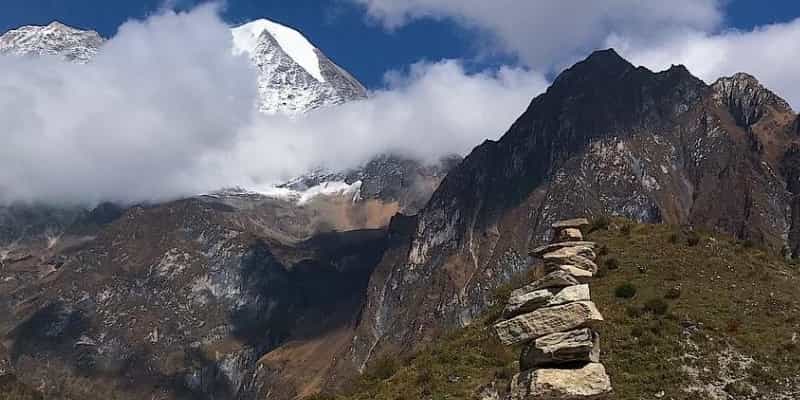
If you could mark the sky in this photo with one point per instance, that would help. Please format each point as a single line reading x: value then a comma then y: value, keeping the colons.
x: 339, y: 27
x: 167, y: 110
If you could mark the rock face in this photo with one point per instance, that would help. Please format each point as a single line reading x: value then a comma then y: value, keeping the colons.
x: 589, y: 382
x: 182, y: 300
x: 606, y: 138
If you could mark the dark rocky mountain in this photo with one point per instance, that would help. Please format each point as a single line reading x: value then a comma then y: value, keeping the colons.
x: 238, y: 295
x: 607, y: 138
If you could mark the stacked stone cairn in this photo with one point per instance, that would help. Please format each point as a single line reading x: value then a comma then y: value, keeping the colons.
x: 553, y: 318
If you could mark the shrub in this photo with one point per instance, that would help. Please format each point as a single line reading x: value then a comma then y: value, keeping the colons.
x: 611, y: 263
x: 673, y: 292
x: 633, y: 311
x: 674, y: 238
x: 600, y: 223
x: 692, y: 238
x: 625, y: 291
x: 602, y: 251
x: 626, y: 229
x: 637, y: 331
x: 384, y: 368
x: 656, y: 306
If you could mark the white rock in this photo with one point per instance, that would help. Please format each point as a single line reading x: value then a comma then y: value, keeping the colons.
x: 523, y: 302
x: 545, y: 321
x: 537, y: 252
x: 553, y: 279
x: 571, y: 223
x: 588, y: 383
x: 569, y: 234
x: 562, y: 347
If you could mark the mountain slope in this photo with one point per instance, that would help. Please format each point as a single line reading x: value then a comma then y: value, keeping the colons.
x: 606, y: 138
x: 729, y: 330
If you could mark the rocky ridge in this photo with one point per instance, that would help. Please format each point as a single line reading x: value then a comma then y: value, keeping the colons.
x: 553, y: 317
x: 607, y: 138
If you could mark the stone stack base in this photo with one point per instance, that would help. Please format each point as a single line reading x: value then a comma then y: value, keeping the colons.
x: 554, y: 318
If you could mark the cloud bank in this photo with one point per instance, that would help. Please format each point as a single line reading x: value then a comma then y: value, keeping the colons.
x: 550, y: 35
x: 166, y: 110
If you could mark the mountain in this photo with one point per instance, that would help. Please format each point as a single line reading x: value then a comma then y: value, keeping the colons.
x: 55, y: 39
x: 607, y: 138
x: 294, y: 77
x: 240, y: 295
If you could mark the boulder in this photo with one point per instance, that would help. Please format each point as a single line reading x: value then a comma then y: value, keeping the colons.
x: 539, y: 251
x: 553, y: 279
x: 588, y: 383
x: 569, y: 234
x: 523, y: 302
x: 580, y: 345
x: 565, y: 253
x: 545, y: 321
x: 576, y: 223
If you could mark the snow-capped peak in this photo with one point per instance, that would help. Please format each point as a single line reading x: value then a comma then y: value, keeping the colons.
x: 55, y: 39
x: 246, y: 40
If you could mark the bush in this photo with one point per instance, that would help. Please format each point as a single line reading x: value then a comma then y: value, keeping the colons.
x: 602, y: 251
x: 384, y: 368
x: 656, y: 306
x: 633, y: 311
x: 611, y: 263
x: 625, y: 291
x: 674, y: 238
x: 626, y: 229
x: 600, y: 223
x: 673, y: 293
x: 692, y: 238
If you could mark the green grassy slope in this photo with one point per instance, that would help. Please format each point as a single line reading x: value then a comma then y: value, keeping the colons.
x: 689, y: 316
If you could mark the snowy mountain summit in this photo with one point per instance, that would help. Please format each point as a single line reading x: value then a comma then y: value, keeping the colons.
x: 55, y: 39
x: 294, y: 77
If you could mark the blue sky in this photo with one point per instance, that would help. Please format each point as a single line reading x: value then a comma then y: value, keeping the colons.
x: 340, y: 28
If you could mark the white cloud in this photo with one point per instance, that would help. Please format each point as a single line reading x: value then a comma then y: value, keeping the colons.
x: 550, y: 35
x: 768, y: 52
x: 547, y: 34
x: 166, y: 110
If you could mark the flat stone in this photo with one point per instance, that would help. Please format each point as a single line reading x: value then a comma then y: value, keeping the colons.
x: 560, y: 245
x: 571, y: 223
x: 588, y: 383
x: 577, y: 261
x: 569, y: 234
x: 580, y: 274
x: 545, y: 321
x: 553, y: 279
x: 565, y: 253
x: 524, y: 302
x: 580, y: 345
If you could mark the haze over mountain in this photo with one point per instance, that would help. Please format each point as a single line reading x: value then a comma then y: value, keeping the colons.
x: 182, y: 109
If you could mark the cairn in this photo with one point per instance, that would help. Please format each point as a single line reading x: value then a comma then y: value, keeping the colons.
x: 554, y: 318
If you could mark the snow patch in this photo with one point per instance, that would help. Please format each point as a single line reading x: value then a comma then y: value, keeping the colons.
x: 247, y: 37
